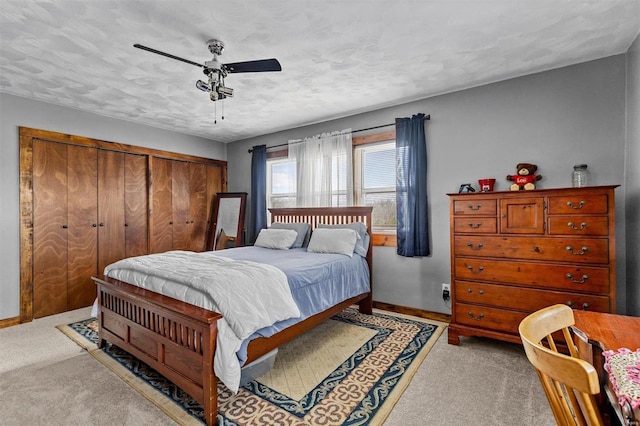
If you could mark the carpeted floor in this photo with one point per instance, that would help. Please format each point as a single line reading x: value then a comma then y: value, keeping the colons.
x: 47, y: 379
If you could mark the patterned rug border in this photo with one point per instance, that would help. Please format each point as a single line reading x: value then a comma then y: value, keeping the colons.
x: 181, y: 413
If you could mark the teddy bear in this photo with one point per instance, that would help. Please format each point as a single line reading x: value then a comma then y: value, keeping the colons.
x: 525, y: 178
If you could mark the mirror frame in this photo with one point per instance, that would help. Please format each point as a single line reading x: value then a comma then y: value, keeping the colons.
x: 215, y: 210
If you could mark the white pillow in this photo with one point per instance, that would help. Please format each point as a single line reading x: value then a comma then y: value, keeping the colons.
x: 279, y: 239
x: 332, y: 240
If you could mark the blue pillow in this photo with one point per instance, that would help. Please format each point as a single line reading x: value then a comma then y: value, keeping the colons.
x: 362, y: 244
x: 302, y: 240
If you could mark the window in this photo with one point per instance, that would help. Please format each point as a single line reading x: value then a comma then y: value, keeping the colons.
x: 281, y: 183
x: 374, y: 182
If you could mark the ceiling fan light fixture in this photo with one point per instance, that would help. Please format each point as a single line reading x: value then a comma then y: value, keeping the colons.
x: 225, y: 92
x: 216, y: 71
x: 201, y: 85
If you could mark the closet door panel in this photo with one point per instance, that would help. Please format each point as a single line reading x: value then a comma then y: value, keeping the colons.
x: 49, y: 228
x: 198, y: 206
x: 82, y: 231
x: 136, y: 205
x: 110, y: 208
x: 161, y: 207
x: 214, y: 185
x: 180, y: 201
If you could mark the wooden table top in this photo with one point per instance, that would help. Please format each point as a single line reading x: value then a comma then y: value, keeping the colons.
x: 612, y: 331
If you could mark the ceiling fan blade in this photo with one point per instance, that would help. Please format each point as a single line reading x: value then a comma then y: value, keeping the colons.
x: 168, y: 55
x: 254, y: 66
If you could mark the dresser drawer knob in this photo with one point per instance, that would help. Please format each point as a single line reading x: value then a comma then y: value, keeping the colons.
x: 581, y: 281
x: 478, y: 247
x: 570, y: 304
x: 585, y: 306
x: 474, y: 226
x: 476, y: 207
x: 473, y: 317
x: 480, y: 269
x: 575, y: 228
x: 471, y: 291
x: 583, y: 252
x: 579, y: 206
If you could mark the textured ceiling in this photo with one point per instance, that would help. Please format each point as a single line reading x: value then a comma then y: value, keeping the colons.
x: 338, y: 57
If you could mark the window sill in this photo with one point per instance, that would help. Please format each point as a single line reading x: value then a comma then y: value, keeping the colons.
x: 387, y: 240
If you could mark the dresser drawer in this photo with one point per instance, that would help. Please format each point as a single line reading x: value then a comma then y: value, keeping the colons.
x: 476, y: 225
x: 587, y: 279
x: 490, y: 318
x: 526, y: 299
x: 574, y: 250
x: 475, y: 206
x: 579, y: 225
x: 579, y: 204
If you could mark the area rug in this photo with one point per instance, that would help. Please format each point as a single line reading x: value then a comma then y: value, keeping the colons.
x: 349, y: 370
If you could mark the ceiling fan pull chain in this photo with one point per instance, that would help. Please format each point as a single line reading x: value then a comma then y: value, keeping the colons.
x: 222, y: 103
x: 215, y: 113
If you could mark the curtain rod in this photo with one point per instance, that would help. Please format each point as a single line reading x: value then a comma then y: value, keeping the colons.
x: 426, y: 117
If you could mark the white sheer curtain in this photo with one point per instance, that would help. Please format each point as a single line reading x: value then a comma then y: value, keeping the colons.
x: 324, y: 175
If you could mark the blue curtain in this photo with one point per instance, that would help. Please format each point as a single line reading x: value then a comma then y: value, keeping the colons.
x: 258, y: 191
x: 411, y: 187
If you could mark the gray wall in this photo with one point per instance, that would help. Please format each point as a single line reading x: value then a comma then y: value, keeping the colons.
x: 554, y: 119
x: 16, y: 111
x: 632, y: 179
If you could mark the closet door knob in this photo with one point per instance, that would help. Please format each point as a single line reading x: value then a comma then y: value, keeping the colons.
x: 94, y: 225
x: 64, y: 226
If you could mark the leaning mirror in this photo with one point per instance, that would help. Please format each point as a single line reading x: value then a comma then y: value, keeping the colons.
x: 227, y: 227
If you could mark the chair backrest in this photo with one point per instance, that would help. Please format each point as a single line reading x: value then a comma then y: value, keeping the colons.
x: 569, y: 382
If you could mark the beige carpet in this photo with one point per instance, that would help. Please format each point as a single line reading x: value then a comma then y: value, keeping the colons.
x: 46, y: 379
x: 349, y: 370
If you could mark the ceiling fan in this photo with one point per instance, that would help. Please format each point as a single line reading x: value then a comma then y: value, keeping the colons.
x: 217, y: 71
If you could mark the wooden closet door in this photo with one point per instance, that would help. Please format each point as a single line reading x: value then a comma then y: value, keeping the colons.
x: 198, y: 206
x: 214, y: 185
x: 136, y: 205
x: 161, y: 207
x: 111, y: 232
x: 49, y: 228
x: 82, y: 230
x: 180, y: 197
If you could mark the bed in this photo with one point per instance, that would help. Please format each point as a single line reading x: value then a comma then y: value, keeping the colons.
x: 178, y: 339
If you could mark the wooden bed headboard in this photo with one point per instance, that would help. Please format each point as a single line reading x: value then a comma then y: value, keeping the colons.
x: 323, y: 215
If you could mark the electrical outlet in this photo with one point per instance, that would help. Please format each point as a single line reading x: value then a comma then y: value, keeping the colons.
x: 446, y: 291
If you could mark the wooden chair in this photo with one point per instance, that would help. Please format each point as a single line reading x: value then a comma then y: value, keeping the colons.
x: 570, y: 383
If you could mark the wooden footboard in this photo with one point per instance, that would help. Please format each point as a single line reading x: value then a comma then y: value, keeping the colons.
x: 176, y: 339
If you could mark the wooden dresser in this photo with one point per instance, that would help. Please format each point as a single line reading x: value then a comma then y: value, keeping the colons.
x: 513, y: 253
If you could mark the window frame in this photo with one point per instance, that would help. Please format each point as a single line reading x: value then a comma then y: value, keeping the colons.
x: 377, y: 238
